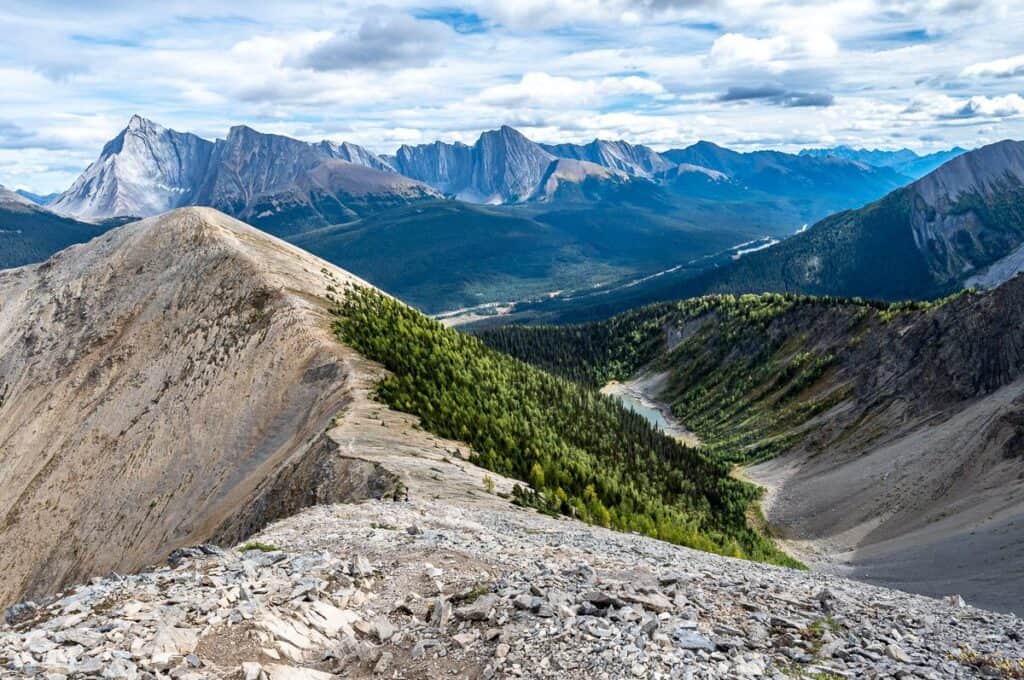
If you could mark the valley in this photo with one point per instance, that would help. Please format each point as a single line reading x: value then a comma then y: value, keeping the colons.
x: 887, y: 434
x: 340, y: 393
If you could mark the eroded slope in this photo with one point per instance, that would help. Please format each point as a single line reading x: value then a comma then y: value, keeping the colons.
x: 896, y: 431
x: 152, y: 381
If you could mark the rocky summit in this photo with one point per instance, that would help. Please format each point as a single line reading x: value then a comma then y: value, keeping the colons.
x: 473, y: 587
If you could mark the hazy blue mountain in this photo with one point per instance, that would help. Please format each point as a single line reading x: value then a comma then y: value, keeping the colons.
x: 829, y: 181
x: 961, y: 225
x: 505, y: 167
x: 38, y: 199
x: 903, y: 161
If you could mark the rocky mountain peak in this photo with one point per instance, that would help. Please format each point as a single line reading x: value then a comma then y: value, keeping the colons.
x: 148, y: 169
x: 978, y: 171
x: 137, y: 122
x: 145, y: 170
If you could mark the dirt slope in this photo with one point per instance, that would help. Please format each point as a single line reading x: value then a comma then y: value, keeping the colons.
x: 165, y: 383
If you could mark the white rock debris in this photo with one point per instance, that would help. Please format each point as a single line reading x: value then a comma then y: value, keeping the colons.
x: 429, y: 589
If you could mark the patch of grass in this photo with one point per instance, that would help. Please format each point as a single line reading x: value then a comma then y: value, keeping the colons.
x: 992, y: 665
x: 793, y: 670
x: 489, y: 483
x: 257, y: 545
x: 814, y: 633
x: 471, y: 595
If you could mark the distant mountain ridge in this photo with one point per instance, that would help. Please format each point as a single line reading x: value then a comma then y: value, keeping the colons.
x: 285, y: 182
x: 271, y: 181
x: 38, y: 199
x: 960, y: 226
x: 30, y: 233
x: 903, y: 161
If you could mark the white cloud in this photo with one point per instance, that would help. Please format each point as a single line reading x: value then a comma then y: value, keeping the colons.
x: 981, y: 106
x: 999, y: 68
x: 547, y: 91
x: 733, y: 48
x: 661, y: 72
x: 736, y: 49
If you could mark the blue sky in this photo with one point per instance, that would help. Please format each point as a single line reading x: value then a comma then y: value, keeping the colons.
x: 926, y: 74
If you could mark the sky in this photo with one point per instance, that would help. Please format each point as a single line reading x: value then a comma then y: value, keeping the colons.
x: 748, y: 74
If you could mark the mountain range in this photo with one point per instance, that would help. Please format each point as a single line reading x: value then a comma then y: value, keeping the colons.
x: 903, y: 161
x: 416, y: 223
x: 281, y: 184
x: 272, y: 180
x: 959, y: 226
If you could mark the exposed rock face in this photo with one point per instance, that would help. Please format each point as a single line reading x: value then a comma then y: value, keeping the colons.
x: 502, y: 167
x: 634, y: 160
x: 353, y: 153
x: 583, y: 178
x: 145, y: 170
x: 148, y: 169
x: 964, y: 218
x: 166, y: 383
x: 446, y: 167
x: 284, y: 185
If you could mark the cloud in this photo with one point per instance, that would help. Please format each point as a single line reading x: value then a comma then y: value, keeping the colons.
x: 13, y: 136
x: 981, y: 106
x: 776, y: 95
x: 544, y: 90
x: 733, y: 49
x: 998, y: 68
x: 382, y: 41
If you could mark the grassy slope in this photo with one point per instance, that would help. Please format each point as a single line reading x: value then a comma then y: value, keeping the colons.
x: 583, y: 453
x: 746, y: 372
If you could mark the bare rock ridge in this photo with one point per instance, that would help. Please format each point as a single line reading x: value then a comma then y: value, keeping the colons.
x: 166, y: 383
x: 148, y: 169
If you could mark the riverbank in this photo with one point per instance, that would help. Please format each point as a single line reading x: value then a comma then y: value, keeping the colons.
x: 638, y: 395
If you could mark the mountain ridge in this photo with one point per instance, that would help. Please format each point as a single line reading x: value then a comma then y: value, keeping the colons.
x: 269, y: 179
x: 148, y: 168
x: 886, y: 433
x: 959, y: 226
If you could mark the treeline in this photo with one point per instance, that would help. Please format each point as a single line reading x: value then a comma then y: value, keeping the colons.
x: 745, y: 371
x: 582, y: 453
